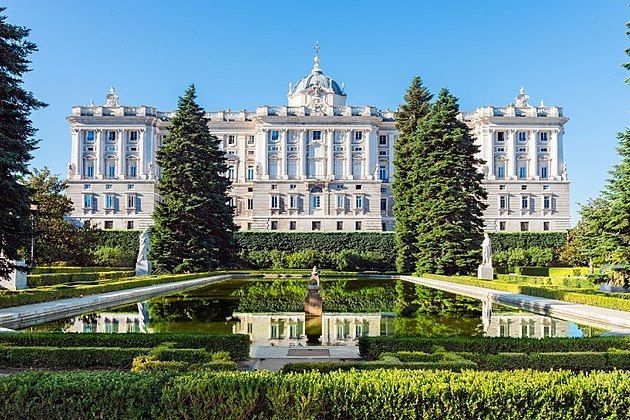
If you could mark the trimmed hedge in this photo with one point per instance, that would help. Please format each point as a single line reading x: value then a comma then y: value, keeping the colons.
x: 594, y: 298
x: 236, y: 345
x: 377, y: 394
x: 561, y: 272
x: 576, y: 361
x: 371, y: 348
x: 327, y: 367
x: 503, y: 241
x: 50, y: 279
x: 578, y: 282
x: 69, y: 357
x: 62, y: 269
x: 319, y: 241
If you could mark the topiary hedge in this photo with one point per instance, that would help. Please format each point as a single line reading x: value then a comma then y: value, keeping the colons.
x: 69, y: 357
x: 50, y: 279
x: 371, y: 348
x: 63, y: 269
x: 503, y: 241
x: 236, y: 345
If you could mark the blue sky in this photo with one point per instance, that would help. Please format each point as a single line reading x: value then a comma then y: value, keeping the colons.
x: 243, y: 54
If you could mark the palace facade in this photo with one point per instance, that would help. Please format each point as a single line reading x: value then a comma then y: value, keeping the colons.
x: 315, y: 163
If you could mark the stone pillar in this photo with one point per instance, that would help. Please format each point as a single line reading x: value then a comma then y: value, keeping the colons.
x: 75, y: 158
x: 555, y: 155
x: 303, y: 154
x: 99, y: 162
x: 348, y: 143
x: 367, y: 148
x: 330, y: 153
x: 511, y: 154
x: 487, y: 152
x: 532, y: 153
x: 282, y: 171
x: 121, y: 154
x: 140, y: 171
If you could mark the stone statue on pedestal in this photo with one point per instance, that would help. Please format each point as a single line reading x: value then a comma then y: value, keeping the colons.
x: 143, y: 265
x: 485, y: 270
x: 313, y: 301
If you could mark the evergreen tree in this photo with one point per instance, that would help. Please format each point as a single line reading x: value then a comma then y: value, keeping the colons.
x: 16, y: 140
x: 413, y: 110
x: 193, y: 222
x: 448, y: 203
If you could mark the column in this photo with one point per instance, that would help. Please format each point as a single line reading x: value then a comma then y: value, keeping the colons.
x: 99, y: 161
x: 487, y: 151
x: 533, y: 154
x: 121, y: 154
x: 511, y: 154
x: 368, y: 167
x: 75, y: 157
x: 554, y: 155
x: 140, y: 171
x: 331, y: 154
x: 348, y: 142
x: 303, y: 148
x: 262, y: 150
x: 282, y: 171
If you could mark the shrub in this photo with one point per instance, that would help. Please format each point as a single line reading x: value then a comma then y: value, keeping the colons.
x: 68, y: 357
x: 151, y: 364
x: 533, y: 271
x: 236, y: 345
x: 560, y: 272
x: 540, y: 257
x: 51, y: 279
x: 67, y: 269
x: 509, y: 240
x: 500, y: 258
x: 108, y: 256
x: 517, y: 257
x: 327, y: 367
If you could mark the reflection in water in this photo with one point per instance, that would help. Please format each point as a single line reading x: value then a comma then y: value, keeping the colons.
x: 520, y: 325
x: 291, y: 328
x: 111, y: 322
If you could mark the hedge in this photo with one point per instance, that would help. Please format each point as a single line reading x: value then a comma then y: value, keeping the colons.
x: 62, y: 269
x: 594, y: 298
x: 503, y: 241
x: 50, y: 279
x: 28, y: 296
x: 327, y: 367
x: 371, y: 348
x: 236, y: 345
x: 69, y: 357
x: 578, y: 282
x: 561, y: 272
x: 376, y: 394
x: 576, y: 361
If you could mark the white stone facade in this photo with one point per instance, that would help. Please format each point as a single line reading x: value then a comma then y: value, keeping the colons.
x: 316, y: 164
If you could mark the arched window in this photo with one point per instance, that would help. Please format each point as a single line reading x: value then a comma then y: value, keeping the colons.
x: 88, y: 167
x: 132, y: 167
x: 110, y: 167
x: 316, y: 190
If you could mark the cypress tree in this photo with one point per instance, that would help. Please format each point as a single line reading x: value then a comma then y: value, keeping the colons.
x: 448, y: 203
x: 16, y: 140
x: 413, y: 110
x: 193, y: 222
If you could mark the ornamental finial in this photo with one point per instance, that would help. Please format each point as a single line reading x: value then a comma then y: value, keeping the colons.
x: 316, y: 67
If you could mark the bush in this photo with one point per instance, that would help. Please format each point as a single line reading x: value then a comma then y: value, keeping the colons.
x: 576, y: 361
x: 68, y: 357
x: 540, y: 257
x: 561, y: 272
x: 50, y: 279
x: 327, y: 367
x: 108, y: 256
x: 66, y: 269
x: 547, y: 240
x: 517, y: 257
x: 500, y: 258
x: 236, y: 345
x: 371, y: 348
x: 533, y: 271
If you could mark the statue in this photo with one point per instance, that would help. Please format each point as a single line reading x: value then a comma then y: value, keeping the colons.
x: 485, y: 270
x: 143, y: 266
x: 313, y: 301
x: 314, y: 277
x: 522, y: 99
x: 151, y: 170
x: 564, y: 174
x: 71, y: 170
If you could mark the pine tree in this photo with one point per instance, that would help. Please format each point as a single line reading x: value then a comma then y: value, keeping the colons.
x: 415, y: 108
x: 448, y: 203
x: 16, y: 140
x: 193, y: 222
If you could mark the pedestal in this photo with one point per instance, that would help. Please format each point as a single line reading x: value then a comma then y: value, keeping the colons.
x: 17, y: 277
x: 313, y: 303
x: 485, y: 272
x: 143, y: 268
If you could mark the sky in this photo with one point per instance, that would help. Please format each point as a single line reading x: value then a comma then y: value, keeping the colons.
x: 243, y: 54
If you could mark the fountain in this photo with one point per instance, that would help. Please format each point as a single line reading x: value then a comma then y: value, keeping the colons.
x: 313, y: 309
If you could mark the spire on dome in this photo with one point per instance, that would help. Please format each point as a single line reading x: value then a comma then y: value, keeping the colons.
x: 316, y: 68
x: 111, y: 99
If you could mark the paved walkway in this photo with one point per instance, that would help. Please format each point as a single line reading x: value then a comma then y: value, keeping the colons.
x: 609, y: 319
x: 38, y: 313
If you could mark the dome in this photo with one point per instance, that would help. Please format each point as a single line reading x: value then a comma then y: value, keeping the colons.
x: 317, y: 78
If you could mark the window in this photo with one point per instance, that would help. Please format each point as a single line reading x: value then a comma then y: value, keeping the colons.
x: 358, y: 225
x: 384, y: 227
x: 110, y: 168
x: 274, y: 202
x: 524, y: 187
x: 358, y: 202
x: 250, y: 189
x: 524, y: 226
x: 274, y: 225
x: 501, y: 187
x: 275, y: 135
x: 249, y: 226
x: 522, y: 136
x: 547, y: 202
x: 544, y: 149
x: 108, y: 186
x: 357, y: 149
x: 131, y: 201
x: 383, y: 204
x: 132, y: 168
x: 89, y: 136
x: 316, y: 225
x: 250, y: 204
x: 87, y: 201
x: 231, y: 139
x: 501, y: 225
x: 358, y: 135
x: 109, y: 224
x: 316, y: 201
x: 543, y: 171
x: 250, y: 173
x: 501, y: 136
x: 522, y: 171
x: 383, y: 152
x: 522, y: 149
x: 341, y: 201
x: 382, y: 173
x: 292, y: 225
x: 231, y: 172
x: 111, y: 136
x: 131, y: 186
x: 503, y: 202
x: 524, y: 202
x: 317, y: 135
x: 500, y: 149
x: 500, y: 174
x: 133, y: 136
x: 250, y: 328
x: 545, y: 225
x: 382, y: 140
x: 129, y: 224
x: 87, y: 186
x: 339, y: 225
x: 88, y: 168
x: 274, y: 186
x: 543, y: 136
x: 109, y: 201
x: 545, y: 187
x: 358, y: 186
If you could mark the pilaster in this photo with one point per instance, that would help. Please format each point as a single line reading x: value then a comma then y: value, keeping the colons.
x: 330, y: 154
x: 121, y: 154
x: 348, y: 143
x: 511, y: 154
x: 532, y: 153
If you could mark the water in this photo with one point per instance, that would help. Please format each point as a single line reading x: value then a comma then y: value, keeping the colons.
x: 272, y: 314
